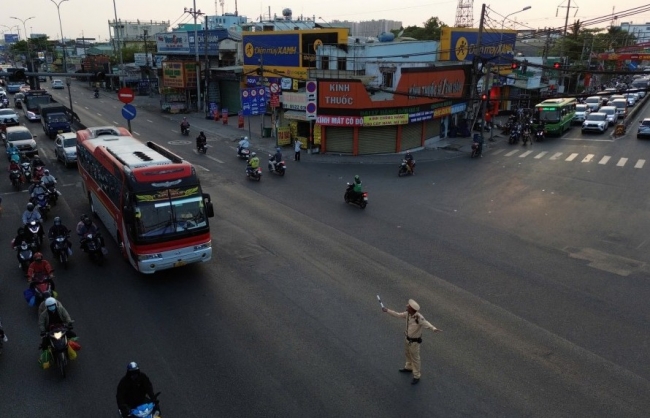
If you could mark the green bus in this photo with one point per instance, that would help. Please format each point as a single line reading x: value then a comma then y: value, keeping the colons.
x: 557, y: 115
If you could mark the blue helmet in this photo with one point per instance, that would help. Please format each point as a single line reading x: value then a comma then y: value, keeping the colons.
x: 278, y: 149
x: 132, y: 367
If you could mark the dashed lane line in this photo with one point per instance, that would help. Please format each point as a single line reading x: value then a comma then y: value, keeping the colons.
x: 571, y: 157
x: 556, y: 156
x: 214, y: 159
x: 604, y: 160
x: 639, y: 164
x: 588, y: 158
x: 621, y: 162
x: 541, y: 154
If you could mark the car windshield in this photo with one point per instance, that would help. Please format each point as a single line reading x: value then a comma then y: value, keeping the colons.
x: 597, y: 116
x: 69, y: 142
x: 169, y: 212
x: 19, y: 135
x: 581, y: 108
x: 7, y: 112
x: 608, y: 110
x: 58, y: 118
x: 646, y: 123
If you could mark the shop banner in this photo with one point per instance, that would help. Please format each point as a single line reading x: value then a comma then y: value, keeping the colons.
x: 170, y: 42
x: 284, y: 135
x: 421, y: 116
x: 386, y: 120
x: 443, y: 111
x: 173, y: 74
x: 339, y: 120
x: 294, y: 101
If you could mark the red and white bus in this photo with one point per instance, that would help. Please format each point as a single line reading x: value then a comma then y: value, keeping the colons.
x: 149, y: 198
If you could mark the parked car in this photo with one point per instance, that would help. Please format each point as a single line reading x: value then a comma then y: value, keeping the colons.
x: 18, y: 100
x: 644, y: 129
x: 595, y: 122
x: 57, y: 84
x: 65, y: 148
x: 23, y: 139
x: 582, y: 110
x: 9, y: 117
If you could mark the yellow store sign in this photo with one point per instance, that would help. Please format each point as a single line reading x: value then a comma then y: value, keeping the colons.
x: 386, y: 120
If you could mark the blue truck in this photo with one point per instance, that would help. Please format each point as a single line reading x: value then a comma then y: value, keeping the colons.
x: 55, y: 119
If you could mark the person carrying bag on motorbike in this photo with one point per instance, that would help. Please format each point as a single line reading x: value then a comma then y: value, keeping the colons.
x: 133, y: 390
x: 54, y: 315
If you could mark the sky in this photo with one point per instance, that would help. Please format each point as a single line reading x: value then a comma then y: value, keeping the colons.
x: 90, y: 18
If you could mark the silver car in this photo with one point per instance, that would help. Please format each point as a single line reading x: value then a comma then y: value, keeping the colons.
x: 644, y: 129
x: 595, y: 122
x: 582, y: 110
x: 8, y: 117
x: 65, y: 148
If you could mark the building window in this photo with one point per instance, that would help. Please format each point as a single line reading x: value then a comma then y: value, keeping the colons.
x: 326, y: 63
x: 387, y: 79
x: 342, y: 61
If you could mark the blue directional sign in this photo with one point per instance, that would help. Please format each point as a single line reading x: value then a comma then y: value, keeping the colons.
x: 253, y: 101
x: 128, y: 112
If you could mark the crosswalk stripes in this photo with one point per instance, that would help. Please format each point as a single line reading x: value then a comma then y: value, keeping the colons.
x: 588, y: 158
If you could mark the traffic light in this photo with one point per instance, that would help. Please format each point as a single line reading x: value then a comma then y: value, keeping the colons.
x: 18, y: 75
x: 514, y: 65
x: 100, y: 76
x: 484, y: 97
x: 557, y: 65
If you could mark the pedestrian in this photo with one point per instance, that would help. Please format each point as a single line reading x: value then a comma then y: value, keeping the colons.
x: 296, y: 147
x: 415, y: 322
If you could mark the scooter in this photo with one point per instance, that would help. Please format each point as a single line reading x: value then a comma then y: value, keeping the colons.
x: 514, y: 136
x: 96, y: 94
x: 53, y: 194
x: 35, y: 229
x: 27, y: 171
x: 42, y: 204
x: 92, y: 245
x: 476, y: 150
x: 3, y: 337
x: 254, y: 173
x: 39, y: 172
x: 202, y: 148
x: 243, y: 153
x: 25, y: 255
x: 279, y: 169
x: 404, y: 169
x: 185, y: 130
x: 59, y: 347
x: 40, y: 288
x: 62, y: 249
x: 540, y: 135
x: 360, y: 200
x: 146, y: 410
x: 16, y: 179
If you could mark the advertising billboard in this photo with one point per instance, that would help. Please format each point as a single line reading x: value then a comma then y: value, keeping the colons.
x: 288, y: 53
x: 460, y: 44
x: 173, y: 43
x: 11, y: 38
x: 213, y: 36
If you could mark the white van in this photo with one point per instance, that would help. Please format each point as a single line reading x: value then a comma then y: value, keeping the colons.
x: 621, y: 107
x: 610, y: 111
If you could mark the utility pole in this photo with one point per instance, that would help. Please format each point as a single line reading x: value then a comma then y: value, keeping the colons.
x: 566, y: 24
x: 195, y: 13
x: 475, y: 74
x: 207, y: 68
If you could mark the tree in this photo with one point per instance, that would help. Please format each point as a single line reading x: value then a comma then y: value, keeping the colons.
x: 429, y: 32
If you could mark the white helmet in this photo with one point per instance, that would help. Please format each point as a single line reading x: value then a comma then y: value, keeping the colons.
x: 253, y: 154
x: 245, y: 138
x: 50, y: 303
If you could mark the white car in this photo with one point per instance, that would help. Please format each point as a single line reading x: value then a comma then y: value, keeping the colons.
x: 594, y: 103
x: 8, y: 117
x: 582, y: 110
x: 65, y: 148
x: 612, y: 115
x: 595, y: 122
x: 632, y: 98
x: 57, y: 84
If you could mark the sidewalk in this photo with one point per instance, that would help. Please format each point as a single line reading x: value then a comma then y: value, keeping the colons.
x: 442, y: 149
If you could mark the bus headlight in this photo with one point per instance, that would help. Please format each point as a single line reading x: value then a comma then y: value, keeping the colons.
x: 145, y: 257
x: 203, y: 246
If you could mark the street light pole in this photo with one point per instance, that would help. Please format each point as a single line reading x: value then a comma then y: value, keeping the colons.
x: 116, y: 33
x: 29, y: 52
x: 65, y: 64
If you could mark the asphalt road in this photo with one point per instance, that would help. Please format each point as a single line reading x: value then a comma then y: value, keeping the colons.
x: 534, y: 268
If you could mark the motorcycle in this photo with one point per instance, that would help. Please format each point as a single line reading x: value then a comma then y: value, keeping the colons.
x: 539, y: 135
x: 526, y: 137
x: 92, y: 245
x: 27, y: 171
x: 3, y: 337
x: 53, y: 194
x: 59, y: 346
x: 202, y: 148
x: 476, y: 150
x: 35, y: 228
x: 96, y: 95
x: 254, y: 173
x: 360, y: 200
x: 40, y: 288
x: 25, y: 255
x: 243, y: 153
x: 514, y: 136
x: 279, y: 169
x: 185, y: 130
x: 39, y: 172
x: 147, y: 410
x: 62, y: 249
x: 404, y: 169
x: 42, y: 203
x: 16, y: 179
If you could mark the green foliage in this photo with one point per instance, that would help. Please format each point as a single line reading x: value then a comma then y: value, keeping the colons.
x: 128, y: 53
x: 429, y: 32
x: 579, y: 42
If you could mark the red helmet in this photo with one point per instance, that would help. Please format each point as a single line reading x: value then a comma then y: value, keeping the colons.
x: 38, y: 257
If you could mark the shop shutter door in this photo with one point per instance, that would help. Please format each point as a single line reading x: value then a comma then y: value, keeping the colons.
x: 411, y: 136
x: 432, y: 129
x: 230, y: 92
x: 339, y: 139
x: 379, y: 140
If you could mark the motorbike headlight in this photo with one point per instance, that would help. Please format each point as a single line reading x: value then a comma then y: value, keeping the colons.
x: 57, y: 335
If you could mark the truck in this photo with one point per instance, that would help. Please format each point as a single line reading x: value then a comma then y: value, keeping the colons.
x: 55, y: 119
x: 34, y: 98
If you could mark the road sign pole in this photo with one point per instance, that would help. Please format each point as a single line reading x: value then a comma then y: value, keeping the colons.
x: 129, y: 125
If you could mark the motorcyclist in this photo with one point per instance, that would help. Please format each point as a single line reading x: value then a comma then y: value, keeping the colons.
x: 40, y: 267
x: 42, y: 307
x: 134, y: 389
x: 13, y: 151
x: 54, y: 315
x: 96, y: 91
x: 15, y: 167
x: 36, y: 189
x: 87, y: 226
x: 277, y: 157
x: 253, y: 163
x: 185, y: 125
x: 201, y: 140
x: 57, y: 230
x: 410, y: 163
x: 357, y: 189
x: 48, y: 180
x: 36, y: 162
x: 32, y: 215
x: 478, y: 138
x: 243, y: 144
x: 22, y: 235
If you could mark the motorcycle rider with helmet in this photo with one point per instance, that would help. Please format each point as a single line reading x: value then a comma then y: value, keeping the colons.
x: 38, y: 188
x: 410, y: 163
x: 277, y: 157
x: 185, y: 125
x: 57, y: 230
x: 243, y: 144
x: 253, y: 163
x: 36, y: 162
x: 87, y: 226
x: 33, y: 215
x: 357, y: 188
x: 22, y: 235
x: 201, y: 140
x: 133, y: 390
x: 54, y: 315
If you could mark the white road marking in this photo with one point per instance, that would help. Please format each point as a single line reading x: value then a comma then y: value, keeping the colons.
x: 604, y: 160
x: 541, y: 154
x: 588, y: 158
x: 136, y: 133
x: 639, y: 164
x: 150, y: 121
x: 571, y: 157
x: 215, y: 159
x: 494, y: 153
x: 555, y: 156
x: 512, y: 153
x: 201, y: 167
x: 86, y: 107
x: 114, y: 123
x: 621, y: 162
x: 525, y: 154
x: 99, y: 114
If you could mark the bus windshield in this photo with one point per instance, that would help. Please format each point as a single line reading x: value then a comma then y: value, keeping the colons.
x: 548, y: 115
x: 169, y: 213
